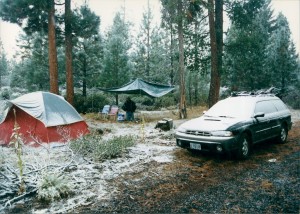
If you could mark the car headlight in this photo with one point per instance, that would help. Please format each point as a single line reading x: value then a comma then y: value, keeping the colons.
x: 181, y: 129
x: 222, y: 133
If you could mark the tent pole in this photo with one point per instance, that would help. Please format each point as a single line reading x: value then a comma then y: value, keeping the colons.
x: 117, y: 99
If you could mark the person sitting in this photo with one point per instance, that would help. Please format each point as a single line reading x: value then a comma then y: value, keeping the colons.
x: 129, y: 106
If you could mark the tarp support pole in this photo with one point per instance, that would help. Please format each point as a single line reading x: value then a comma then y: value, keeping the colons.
x: 117, y: 99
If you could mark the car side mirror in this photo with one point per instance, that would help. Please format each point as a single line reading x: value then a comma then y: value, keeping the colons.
x: 259, y: 114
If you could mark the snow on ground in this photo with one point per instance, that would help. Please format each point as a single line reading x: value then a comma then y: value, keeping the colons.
x: 94, y: 180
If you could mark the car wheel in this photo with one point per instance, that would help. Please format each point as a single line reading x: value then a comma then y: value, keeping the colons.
x: 283, y: 135
x: 243, y: 147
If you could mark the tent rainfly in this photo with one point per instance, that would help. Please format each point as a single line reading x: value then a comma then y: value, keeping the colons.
x: 142, y: 87
x: 43, y: 117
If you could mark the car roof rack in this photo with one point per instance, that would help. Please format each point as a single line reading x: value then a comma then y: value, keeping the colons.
x: 260, y: 93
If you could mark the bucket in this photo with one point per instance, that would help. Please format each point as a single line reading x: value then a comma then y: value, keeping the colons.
x: 121, y: 117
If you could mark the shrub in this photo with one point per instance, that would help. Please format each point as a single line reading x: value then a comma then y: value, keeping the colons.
x: 91, y: 103
x: 292, y: 98
x: 94, y: 147
x: 5, y: 94
x: 79, y: 103
x: 144, y: 100
x: 165, y: 101
x: 53, y: 187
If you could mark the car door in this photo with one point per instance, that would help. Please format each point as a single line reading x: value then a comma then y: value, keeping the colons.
x: 282, y: 115
x: 264, y: 125
x: 275, y: 117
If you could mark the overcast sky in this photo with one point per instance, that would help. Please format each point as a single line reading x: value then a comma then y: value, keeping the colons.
x: 106, y: 9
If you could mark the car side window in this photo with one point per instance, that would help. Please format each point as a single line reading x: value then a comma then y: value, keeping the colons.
x: 265, y: 106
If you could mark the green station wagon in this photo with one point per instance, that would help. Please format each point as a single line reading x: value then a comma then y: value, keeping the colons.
x: 235, y: 124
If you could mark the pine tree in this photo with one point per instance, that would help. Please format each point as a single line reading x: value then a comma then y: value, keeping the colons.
x: 116, y: 64
x: 3, y: 64
x: 149, y: 55
x: 69, y: 59
x: 173, y: 15
x: 247, y: 39
x: 88, y: 50
x: 282, y: 58
x: 39, y: 16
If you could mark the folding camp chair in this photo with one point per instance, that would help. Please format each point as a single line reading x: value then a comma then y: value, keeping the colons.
x: 113, y: 113
x: 105, y: 111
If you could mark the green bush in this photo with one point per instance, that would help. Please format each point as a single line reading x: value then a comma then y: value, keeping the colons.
x: 165, y: 101
x: 292, y: 98
x: 144, y: 100
x: 94, y: 147
x: 53, y: 187
x: 91, y: 103
x: 5, y: 94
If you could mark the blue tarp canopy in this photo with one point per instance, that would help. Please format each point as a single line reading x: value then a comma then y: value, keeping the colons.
x: 142, y: 87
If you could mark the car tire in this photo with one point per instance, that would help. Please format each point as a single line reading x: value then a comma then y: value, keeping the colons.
x: 244, y: 145
x: 283, y: 135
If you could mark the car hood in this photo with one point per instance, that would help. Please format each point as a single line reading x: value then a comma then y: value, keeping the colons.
x: 210, y: 123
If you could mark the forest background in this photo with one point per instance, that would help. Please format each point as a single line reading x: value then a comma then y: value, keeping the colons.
x: 256, y: 52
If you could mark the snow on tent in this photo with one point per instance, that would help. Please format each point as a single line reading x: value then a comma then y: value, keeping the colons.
x: 142, y: 87
x: 43, y: 117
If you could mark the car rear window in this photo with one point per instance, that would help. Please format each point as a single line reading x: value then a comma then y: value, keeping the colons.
x: 279, y: 105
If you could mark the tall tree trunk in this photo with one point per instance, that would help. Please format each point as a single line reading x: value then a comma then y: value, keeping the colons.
x: 196, y: 89
x: 172, y: 57
x: 190, y: 88
x: 219, y: 40
x: 84, y: 79
x: 148, y: 44
x: 53, y: 71
x: 182, y: 104
x: 68, y: 34
x: 215, y: 77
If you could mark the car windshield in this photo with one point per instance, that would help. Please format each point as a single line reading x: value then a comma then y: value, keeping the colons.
x: 231, y: 108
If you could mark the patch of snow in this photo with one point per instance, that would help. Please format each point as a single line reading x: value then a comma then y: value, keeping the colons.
x: 93, y: 180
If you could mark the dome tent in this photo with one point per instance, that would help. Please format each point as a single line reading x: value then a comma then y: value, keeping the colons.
x: 42, y: 117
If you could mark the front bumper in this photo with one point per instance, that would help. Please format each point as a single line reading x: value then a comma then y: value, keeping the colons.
x: 208, y: 143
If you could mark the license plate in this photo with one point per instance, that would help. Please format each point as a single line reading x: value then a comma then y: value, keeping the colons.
x: 195, y: 146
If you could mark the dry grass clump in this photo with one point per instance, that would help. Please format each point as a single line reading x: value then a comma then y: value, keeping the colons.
x: 196, y: 111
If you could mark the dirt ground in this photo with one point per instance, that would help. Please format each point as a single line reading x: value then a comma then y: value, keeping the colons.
x: 195, y: 183
x: 155, y: 176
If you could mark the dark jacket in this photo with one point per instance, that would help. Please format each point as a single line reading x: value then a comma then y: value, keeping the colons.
x: 129, y: 105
